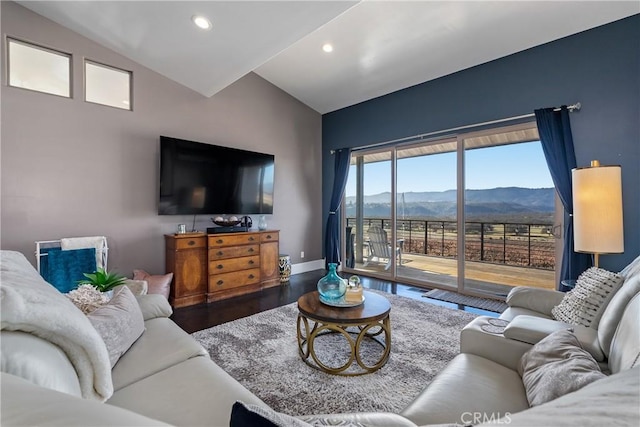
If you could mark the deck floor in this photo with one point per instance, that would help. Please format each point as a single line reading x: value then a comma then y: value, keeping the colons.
x: 481, y: 276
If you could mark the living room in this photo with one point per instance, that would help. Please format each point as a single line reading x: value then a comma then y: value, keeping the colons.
x: 72, y: 168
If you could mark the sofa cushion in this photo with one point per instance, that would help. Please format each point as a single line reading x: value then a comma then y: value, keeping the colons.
x: 585, y: 303
x: 555, y: 366
x: 196, y: 392
x: 39, y: 362
x: 157, y: 283
x: 625, y: 345
x: 613, y: 313
x: 535, y: 299
x: 633, y: 269
x: 468, y: 384
x: 119, y: 323
x: 26, y: 404
x: 613, y: 400
x: 162, y: 346
x: 153, y: 306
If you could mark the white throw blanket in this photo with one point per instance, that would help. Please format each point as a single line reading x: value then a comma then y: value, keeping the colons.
x: 29, y: 304
x: 99, y: 243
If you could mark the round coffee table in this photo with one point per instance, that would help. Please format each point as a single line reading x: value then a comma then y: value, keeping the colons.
x: 369, y: 320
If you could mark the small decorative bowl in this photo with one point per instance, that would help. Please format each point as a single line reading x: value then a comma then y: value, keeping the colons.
x: 225, y: 222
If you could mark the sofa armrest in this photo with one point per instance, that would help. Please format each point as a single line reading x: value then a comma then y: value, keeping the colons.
x: 495, y: 347
x: 153, y: 306
x: 536, y: 299
x: 531, y: 329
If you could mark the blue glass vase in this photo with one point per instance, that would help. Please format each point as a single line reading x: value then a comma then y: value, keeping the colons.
x: 332, y: 286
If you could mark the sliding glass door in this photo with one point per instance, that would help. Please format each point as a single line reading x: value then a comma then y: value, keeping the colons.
x: 411, y: 208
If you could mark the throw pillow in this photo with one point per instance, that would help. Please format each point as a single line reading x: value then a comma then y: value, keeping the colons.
x: 119, y: 323
x: 245, y: 415
x: 87, y: 298
x: 555, y: 366
x: 157, y: 284
x: 585, y: 303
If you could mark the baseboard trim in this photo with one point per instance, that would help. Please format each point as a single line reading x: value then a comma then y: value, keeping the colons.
x: 303, y: 267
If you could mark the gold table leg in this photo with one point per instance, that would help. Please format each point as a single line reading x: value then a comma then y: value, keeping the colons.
x: 307, y: 335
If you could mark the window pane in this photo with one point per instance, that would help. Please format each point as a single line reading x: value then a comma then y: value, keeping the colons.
x: 107, y: 86
x: 509, y: 214
x: 427, y: 213
x: 36, y: 68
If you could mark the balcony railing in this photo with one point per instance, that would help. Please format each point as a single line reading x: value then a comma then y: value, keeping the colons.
x: 508, y: 243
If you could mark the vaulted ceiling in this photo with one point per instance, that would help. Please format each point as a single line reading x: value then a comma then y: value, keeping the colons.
x: 378, y: 46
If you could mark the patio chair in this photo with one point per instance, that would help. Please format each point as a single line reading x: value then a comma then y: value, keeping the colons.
x: 380, y: 248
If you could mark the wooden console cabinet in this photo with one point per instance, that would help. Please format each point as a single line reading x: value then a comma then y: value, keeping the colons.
x: 216, y: 266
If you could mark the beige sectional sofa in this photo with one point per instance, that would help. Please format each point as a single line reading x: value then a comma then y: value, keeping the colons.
x: 167, y: 378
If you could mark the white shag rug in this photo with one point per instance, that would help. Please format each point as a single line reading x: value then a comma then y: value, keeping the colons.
x: 261, y: 352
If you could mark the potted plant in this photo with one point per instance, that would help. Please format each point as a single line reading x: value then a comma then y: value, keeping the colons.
x: 102, y: 280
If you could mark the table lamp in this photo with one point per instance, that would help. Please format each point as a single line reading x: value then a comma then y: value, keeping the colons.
x: 597, y: 210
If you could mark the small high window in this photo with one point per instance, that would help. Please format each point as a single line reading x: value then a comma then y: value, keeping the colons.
x: 107, y: 85
x: 38, y: 68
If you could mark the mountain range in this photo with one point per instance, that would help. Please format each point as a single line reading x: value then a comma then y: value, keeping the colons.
x: 442, y: 204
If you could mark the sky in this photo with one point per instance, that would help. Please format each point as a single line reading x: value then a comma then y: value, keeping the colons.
x: 515, y: 165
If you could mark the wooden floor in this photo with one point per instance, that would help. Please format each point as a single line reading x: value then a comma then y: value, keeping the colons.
x: 482, y: 275
x: 203, y: 316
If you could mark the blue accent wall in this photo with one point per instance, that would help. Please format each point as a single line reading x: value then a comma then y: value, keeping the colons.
x: 599, y: 68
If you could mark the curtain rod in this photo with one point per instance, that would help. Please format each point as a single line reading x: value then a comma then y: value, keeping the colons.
x: 571, y: 108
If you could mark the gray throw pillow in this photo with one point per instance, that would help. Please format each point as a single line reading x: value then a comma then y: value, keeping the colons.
x: 119, y: 323
x: 555, y: 366
x: 585, y: 304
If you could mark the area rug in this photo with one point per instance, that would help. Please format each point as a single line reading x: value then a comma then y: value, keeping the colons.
x: 477, y: 302
x: 261, y: 352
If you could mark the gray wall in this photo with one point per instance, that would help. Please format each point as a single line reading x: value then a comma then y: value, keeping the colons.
x: 70, y: 168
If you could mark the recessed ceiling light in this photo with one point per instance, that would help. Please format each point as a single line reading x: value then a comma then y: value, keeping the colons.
x: 327, y: 47
x: 201, y: 22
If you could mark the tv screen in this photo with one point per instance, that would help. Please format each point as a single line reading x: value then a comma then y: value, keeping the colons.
x: 197, y: 178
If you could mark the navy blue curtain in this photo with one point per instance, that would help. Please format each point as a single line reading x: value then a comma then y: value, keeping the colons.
x: 557, y: 143
x: 332, y: 232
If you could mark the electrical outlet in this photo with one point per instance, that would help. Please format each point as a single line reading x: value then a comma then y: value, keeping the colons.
x: 302, y: 254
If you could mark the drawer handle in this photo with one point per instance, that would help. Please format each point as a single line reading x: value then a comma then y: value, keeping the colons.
x: 250, y: 250
x: 251, y: 262
x: 220, y: 253
x: 220, y: 266
x: 220, y: 282
x: 251, y: 239
x: 191, y: 243
x: 268, y: 236
x: 251, y: 276
x: 219, y: 241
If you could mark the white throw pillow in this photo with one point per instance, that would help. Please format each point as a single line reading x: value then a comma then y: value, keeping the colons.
x: 119, y: 323
x: 585, y: 303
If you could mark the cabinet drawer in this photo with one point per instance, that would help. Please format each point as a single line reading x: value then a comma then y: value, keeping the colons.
x: 234, y: 264
x: 271, y: 236
x: 192, y: 243
x: 236, y: 279
x: 234, y: 239
x: 233, y: 252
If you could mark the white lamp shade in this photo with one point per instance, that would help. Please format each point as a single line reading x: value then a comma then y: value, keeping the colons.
x: 597, y: 210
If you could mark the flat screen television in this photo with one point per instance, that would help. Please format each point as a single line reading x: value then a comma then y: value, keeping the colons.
x: 205, y: 179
